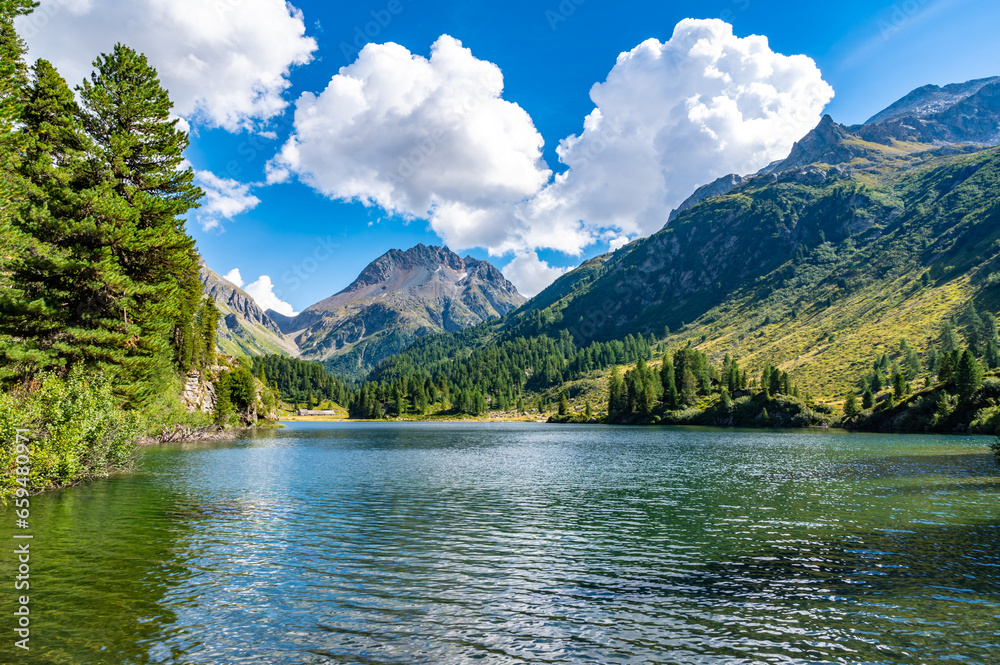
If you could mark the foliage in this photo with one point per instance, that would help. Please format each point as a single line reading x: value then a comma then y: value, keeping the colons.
x: 478, y: 369
x: 76, y: 428
x: 817, y: 277
x: 105, y: 275
x: 297, y: 379
x: 705, y: 395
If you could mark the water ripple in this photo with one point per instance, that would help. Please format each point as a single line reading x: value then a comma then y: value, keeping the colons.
x: 528, y: 544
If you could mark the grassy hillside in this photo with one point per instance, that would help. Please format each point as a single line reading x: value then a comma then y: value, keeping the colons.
x: 818, y: 270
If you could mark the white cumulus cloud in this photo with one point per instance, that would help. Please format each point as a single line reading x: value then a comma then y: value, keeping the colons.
x: 234, y: 277
x: 224, y: 199
x: 673, y: 116
x: 423, y: 138
x: 530, y: 274
x: 225, y: 62
x: 433, y: 138
x: 262, y: 291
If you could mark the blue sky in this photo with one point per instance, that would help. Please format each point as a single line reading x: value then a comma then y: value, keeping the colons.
x: 550, y: 55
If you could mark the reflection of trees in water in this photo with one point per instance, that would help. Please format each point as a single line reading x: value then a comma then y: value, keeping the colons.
x: 104, y: 557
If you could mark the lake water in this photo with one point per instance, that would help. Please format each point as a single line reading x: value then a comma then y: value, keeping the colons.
x: 522, y: 543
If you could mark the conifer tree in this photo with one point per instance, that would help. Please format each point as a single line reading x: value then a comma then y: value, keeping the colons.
x: 669, y: 385
x: 616, y: 397
x: 725, y: 399
x: 933, y: 358
x: 948, y: 366
x: 992, y: 355
x: 13, y: 75
x: 912, y: 364
x: 899, y: 385
x: 60, y: 274
x: 948, y: 339
x: 968, y: 375
x: 563, y: 405
x: 851, y: 405
x: 141, y: 195
x: 867, y: 400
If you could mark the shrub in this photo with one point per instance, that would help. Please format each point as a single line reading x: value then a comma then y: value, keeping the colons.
x: 77, y: 430
x: 986, y: 421
x: 991, y: 387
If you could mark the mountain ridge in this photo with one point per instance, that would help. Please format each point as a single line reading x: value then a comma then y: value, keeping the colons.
x: 244, y: 328
x: 398, y: 297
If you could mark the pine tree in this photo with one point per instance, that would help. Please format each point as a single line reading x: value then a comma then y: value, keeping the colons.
x: 587, y: 411
x: 725, y: 399
x: 948, y: 366
x: 59, y: 275
x: 563, y: 405
x: 992, y: 355
x: 948, y: 339
x: 867, y: 400
x: 141, y: 192
x: 616, y: 397
x: 975, y: 332
x: 876, y: 381
x: 13, y: 78
x: 912, y: 364
x: 689, y: 388
x: 933, y: 359
x: 851, y: 405
x: 669, y: 386
x: 968, y: 375
x: 899, y: 386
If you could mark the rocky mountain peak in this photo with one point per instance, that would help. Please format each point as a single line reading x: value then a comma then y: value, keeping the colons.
x: 826, y: 143
x: 243, y: 326
x: 398, y: 297
x: 961, y: 113
x: 931, y: 99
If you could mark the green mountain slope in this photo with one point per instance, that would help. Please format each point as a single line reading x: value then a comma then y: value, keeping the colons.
x: 863, y: 245
x: 816, y: 269
x: 244, y: 329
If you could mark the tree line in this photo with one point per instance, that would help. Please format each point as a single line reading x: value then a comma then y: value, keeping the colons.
x: 684, y: 379
x: 300, y: 381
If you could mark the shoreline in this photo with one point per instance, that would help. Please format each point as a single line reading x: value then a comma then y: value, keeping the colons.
x: 188, y: 434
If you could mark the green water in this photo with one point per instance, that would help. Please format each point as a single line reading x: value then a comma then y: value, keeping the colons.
x: 515, y: 543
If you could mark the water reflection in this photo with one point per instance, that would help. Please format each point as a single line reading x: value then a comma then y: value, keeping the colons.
x: 512, y: 544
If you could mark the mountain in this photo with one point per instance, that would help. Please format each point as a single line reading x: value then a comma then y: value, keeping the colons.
x: 396, y: 299
x: 961, y: 114
x: 818, y: 262
x: 958, y: 113
x: 244, y: 329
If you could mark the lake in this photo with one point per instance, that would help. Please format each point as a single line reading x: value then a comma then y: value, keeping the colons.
x: 522, y: 543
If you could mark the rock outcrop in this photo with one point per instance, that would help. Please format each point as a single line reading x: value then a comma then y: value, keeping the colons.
x: 198, y: 393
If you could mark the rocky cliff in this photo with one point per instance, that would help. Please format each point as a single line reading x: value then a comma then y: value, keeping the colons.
x: 244, y: 328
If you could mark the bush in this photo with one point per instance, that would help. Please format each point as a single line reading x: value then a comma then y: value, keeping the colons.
x: 77, y: 429
x: 991, y: 387
x: 986, y: 421
x: 167, y: 413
